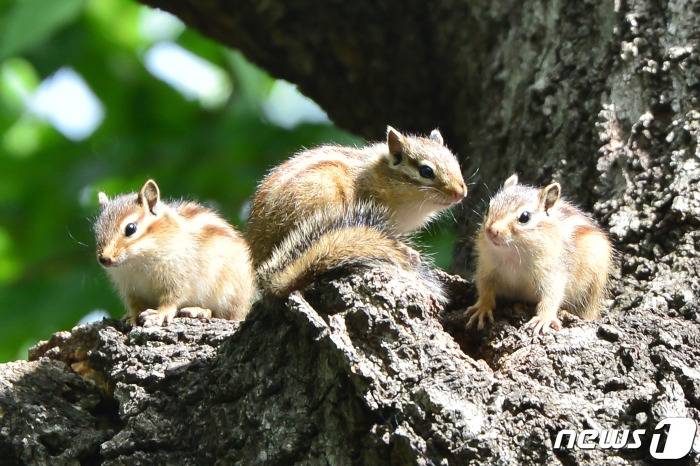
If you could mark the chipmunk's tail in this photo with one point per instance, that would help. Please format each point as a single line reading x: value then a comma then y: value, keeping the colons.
x: 358, y: 237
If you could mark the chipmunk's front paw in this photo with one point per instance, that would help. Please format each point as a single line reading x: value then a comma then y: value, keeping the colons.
x: 543, y: 323
x: 195, y: 313
x: 155, y: 317
x: 479, y: 315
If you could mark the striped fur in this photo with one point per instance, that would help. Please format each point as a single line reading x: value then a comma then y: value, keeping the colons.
x: 559, y: 258
x: 338, y: 177
x: 182, y: 256
x: 360, y: 236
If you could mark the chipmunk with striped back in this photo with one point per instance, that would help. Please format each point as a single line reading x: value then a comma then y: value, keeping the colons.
x: 536, y: 247
x: 173, y: 258
x: 335, y: 205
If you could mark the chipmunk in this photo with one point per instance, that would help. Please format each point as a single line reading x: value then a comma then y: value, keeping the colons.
x: 361, y: 235
x: 413, y: 178
x: 173, y: 258
x: 536, y: 247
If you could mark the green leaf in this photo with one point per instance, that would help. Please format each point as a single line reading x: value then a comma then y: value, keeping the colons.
x: 251, y: 83
x: 31, y: 22
x: 21, y: 140
x: 18, y: 79
x: 122, y: 20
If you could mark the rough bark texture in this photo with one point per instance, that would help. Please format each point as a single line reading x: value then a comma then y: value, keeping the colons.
x: 602, y: 96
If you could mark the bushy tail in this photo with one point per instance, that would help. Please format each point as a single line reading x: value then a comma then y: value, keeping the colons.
x: 360, y: 236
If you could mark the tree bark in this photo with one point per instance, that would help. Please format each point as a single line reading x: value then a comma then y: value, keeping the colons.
x: 601, y: 96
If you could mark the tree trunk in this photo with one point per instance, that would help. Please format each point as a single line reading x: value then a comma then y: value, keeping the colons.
x: 601, y: 96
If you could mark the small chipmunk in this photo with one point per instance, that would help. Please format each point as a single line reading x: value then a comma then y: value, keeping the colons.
x: 536, y: 247
x: 361, y: 235
x: 169, y: 259
x: 413, y: 178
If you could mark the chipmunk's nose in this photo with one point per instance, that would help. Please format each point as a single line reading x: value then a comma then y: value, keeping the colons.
x: 106, y: 261
x: 492, y: 232
x: 459, y: 192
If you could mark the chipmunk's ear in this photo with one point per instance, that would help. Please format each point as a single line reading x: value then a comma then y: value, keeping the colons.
x: 437, y: 137
x: 550, y: 195
x: 102, y: 199
x: 149, y: 196
x: 511, y: 181
x: 395, y: 141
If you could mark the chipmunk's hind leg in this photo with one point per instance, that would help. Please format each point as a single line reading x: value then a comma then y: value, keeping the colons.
x: 157, y: 317
x: 195, y: 312
x: 596, y: 252
x: 593, y: 302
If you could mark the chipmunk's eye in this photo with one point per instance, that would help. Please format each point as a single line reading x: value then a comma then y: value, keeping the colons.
x: 524, y: 217
x: 426, y: 172
x: 130, y: 229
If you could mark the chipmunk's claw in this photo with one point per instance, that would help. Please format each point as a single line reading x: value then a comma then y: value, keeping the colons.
x: 194, y: 313
x: 155, y: 317
x: 478, y: 315
x: 543, y: 324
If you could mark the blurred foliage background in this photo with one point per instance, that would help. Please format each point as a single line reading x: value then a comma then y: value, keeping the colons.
x: 100, y: 95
